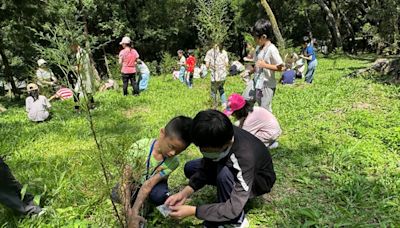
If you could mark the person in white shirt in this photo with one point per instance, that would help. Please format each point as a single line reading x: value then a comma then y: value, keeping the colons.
x: 267, y: 61
x: 181, y: 65
x: 37, y: 105
x: 217, y: 60
x: 44, y: 76
x: 144, y: 75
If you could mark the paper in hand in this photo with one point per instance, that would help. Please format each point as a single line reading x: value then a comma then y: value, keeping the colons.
x: 164, y: 210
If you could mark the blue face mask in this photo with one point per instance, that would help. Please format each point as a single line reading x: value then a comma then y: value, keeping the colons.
x: 216, y: 156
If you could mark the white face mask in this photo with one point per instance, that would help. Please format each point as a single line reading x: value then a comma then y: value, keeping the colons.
x: 216, y: 156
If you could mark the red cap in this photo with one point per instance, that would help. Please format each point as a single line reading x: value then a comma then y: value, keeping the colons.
x: 235, y: 102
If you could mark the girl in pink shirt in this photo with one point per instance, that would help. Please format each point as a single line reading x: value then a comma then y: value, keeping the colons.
x: 258, y: 121
x: 127, y: 58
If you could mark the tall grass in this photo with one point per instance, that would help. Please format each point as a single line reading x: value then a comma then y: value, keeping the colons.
x: 337, y: 164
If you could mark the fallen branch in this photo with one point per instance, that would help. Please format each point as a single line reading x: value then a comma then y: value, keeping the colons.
x: 390, y: 67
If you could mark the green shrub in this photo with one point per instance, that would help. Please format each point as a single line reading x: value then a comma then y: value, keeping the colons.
x: 153, y: 67
x: 168, y: 63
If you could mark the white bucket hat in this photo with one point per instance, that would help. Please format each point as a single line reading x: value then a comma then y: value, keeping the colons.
x: 125, y: 40
x: 31, y: 87
x: 40, y: 62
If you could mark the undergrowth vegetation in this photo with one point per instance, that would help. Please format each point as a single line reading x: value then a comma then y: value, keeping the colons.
x: 338, y: 163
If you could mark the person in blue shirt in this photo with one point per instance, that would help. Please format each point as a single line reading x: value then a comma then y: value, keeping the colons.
x: 288, y: 75
x: 309, y: 55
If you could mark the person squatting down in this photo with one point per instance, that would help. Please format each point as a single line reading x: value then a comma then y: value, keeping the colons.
x: 152, y: 160
x: 234, y: 161
x: 256, y: 120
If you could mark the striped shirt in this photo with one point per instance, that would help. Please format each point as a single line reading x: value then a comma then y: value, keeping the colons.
x: 64, y: 93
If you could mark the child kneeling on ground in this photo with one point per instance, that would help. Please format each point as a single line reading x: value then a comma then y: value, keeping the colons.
x: 153, y: 160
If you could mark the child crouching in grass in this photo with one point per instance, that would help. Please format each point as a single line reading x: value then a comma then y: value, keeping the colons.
x: 152, y: 160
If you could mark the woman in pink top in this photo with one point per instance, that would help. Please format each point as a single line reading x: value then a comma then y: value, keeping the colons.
x: 127, y: 58
x: 256, y: 120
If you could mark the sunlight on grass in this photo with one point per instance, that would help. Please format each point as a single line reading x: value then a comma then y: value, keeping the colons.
x: 337, y: 164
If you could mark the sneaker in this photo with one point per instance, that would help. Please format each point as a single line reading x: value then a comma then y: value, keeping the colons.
x: 274, y: 145
x: 245, y: 224
x: 33, y: 210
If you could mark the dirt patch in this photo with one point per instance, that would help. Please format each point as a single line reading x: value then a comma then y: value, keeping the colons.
x: 129, y: 113
x: 2, y: 109
x: 338, y: 111
x: 361, y: 105
x: 278, y: 194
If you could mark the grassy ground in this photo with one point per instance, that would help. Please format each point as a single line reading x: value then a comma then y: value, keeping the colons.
x: 338, y: 163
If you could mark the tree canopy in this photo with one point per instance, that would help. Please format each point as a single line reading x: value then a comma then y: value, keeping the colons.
x: 27, y: 27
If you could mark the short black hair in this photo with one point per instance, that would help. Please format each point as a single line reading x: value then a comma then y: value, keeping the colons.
x: 306, y: 39
x: 243, y: 112
x: 263, y: 27
x: 180, y: 127
x: 211, y: 128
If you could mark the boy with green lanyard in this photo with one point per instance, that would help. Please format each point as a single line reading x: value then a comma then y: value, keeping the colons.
x: 151, y: 161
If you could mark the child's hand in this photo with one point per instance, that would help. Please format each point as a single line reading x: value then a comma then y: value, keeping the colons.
x: 134, y: 219
x: 260, y: 63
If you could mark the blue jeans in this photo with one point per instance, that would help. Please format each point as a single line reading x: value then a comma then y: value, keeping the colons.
x: 182, y: 71
x: 144, y: 81
x: 218, y: 87
x: 311, y: 71
x: 189, y: 79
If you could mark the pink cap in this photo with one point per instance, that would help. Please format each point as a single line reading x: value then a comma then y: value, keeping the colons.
x: 235, y: 102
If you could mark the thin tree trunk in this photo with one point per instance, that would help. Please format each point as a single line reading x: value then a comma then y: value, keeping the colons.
x: 94, y: 71
x: 8, y: 72
x: 275, y: 27
x: 350, y: 32
x: 309, y: 26
x: 106, y: 63
x: 396, y: 35
x: 332, y: 23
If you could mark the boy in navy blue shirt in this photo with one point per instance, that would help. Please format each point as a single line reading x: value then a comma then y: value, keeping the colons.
x: 288, y: 76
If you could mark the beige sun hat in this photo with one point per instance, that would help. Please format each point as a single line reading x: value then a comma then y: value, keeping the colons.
x: 32, y: 87
x: 40, y: 62
x: 125, y: 40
